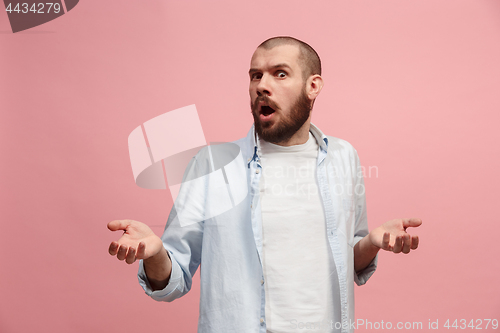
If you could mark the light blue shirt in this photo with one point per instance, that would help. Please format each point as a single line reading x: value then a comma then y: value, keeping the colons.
x: 229, y: 246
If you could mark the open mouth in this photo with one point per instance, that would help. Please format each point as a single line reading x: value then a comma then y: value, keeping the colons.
x: 266, y: 110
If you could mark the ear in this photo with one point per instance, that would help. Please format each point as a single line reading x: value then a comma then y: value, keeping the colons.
x: 314, y: 84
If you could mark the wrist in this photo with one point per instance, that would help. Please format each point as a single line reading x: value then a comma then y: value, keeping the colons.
x: 372, y: 237
x: 159, y: 257
x: 158, y: 269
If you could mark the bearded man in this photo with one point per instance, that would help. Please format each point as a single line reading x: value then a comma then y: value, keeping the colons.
x: 288, y: 255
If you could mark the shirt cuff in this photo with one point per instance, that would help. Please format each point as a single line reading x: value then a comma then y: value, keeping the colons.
x: 361, y: 277
x: 166, y: 293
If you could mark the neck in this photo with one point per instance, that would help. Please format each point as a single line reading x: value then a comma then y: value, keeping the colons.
x: 300, y: 137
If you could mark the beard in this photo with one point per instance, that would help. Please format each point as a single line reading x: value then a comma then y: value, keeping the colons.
x: 287, y: 125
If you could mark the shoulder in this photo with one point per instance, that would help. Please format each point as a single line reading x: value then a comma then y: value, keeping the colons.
x: 341, y: 153
x: 247, y: 144
x: 336, y: 145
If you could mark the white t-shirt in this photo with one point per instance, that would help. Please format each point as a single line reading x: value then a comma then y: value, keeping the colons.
x: 299, y: 269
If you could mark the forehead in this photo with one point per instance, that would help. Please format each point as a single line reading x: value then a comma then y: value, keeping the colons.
x: 282, y: 54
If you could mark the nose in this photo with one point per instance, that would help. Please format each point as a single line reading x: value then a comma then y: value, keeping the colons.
x: 263, y: 87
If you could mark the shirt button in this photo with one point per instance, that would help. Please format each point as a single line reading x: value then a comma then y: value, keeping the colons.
x: 261, y: 320
x: 257, y: 171
x: 261, y: 282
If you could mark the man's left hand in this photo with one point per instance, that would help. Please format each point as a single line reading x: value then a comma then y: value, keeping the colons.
x: 392, y: 235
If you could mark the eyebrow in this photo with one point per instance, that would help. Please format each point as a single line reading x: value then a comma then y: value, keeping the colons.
x: 283, y: 65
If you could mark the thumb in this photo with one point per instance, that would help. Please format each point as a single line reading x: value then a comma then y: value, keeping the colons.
x: 118, y: 225
x: 413, y: 222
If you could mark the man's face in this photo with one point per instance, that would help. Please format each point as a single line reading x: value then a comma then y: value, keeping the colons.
x: 280, y: 105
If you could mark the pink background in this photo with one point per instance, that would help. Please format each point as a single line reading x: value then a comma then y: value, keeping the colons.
x: 414, y: 85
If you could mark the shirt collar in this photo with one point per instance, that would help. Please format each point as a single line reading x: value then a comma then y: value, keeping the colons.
x: 253, y: 138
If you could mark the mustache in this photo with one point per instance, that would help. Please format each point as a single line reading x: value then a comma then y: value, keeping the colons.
x: 266, y: 100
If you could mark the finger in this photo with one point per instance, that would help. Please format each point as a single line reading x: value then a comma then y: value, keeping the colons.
x: 413, y: 222
x: 385, y: 241
x: 406, y: 244
x: 141, y: 251
x: 118, y: 225
x: 130, y: 259
x: 398, y: 244
x: 414, y: 242
x: 113, y: 248
x: 122, y: 252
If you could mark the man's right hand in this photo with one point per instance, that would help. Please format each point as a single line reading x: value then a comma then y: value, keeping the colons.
x: 137, y: 242
x: 140, y: 242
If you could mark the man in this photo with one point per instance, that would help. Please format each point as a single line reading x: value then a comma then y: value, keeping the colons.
x: 287, y: 256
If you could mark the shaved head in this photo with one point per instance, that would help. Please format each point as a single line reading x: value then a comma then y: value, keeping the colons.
x: 308, y: 58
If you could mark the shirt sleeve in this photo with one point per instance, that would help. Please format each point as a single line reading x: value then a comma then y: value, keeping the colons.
x: 171, y: 291
x: 361, y: 222
x: 183, y: 242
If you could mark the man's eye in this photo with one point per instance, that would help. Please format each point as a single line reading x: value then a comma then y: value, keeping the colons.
x: 281, y: 74
x: 256, y: 76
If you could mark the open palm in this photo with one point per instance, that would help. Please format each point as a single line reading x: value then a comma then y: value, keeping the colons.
x: 137, y: 242
x: 392, y: 235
